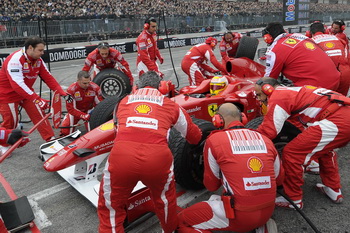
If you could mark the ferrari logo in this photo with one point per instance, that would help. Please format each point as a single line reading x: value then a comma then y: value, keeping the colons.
x: 212, y: 108
x: 290, y: 41
x: 310, y: 46
x: 107, y: 126
x: 329, y: 45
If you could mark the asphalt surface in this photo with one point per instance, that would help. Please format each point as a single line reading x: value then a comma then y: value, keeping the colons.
x: 59, y: 208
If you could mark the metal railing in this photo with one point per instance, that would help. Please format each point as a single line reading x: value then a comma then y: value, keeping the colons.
x: 65, y: 31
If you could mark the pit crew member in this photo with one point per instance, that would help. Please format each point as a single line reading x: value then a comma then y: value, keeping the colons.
x: 298, y: 58
x: 326, y: 124
x: 141, y: 153
x: 229, y: 45
x: 337, y: 29
x: 147, y: 49
x: 335, y: 49
x: 86, y: 95
x: 105, y: 57
x: 193, y: 64
x: 247, y: 167
x: 17, y: 77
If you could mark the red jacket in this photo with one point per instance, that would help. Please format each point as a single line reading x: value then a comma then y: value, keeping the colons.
x: 203, y: 53
x: 333, y: 47
x: 83, y: 99
x: 147, y: 116
x: 113, y: 58
x: 301, y: 104
x: 18, y: 75
x: 147, y: 50
x: 242, y: 161
x: 299, y: 59
x: 229, y: 49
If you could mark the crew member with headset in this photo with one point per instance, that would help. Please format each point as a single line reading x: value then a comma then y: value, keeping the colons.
x: 298, y: 58
x: 141, y: 153
x: 193, y: 64
x: 105, y: 57
x: 246, y: 164
x: 229, y: 45
x: 147, y: 49
x: 325, y: 116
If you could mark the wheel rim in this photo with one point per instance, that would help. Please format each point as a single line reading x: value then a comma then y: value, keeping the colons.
x: 111, y: 87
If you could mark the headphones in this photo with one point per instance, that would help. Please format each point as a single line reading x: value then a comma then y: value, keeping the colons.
x: 103, y: 45
x: 266, y: 88
x: 340, y: 23
x: 211, y: 41
x: 219, y: 122
x: 147, y: 24
x: 267, y: 37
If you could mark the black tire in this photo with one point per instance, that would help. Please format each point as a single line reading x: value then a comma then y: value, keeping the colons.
x: 103, y: 112
x: 247, y: 47
x: 188, y: 159
x: 113, y: 83
x: 287, y: 134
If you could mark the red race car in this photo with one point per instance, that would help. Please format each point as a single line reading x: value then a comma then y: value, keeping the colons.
x: 78, y: 158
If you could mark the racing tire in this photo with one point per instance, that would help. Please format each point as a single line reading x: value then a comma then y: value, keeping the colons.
x: 247, y: 47
x: 287, y: 134
x: 188, y: 159
x: 113, y: 82
x: 103, y: 111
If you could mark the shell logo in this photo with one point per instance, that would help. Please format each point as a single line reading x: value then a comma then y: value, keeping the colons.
x: 143, y: 109
x: 329, y: 45
x: 107, y: 126
x: 255, y: 164
x: 310, y: 46
x: 310, y: 87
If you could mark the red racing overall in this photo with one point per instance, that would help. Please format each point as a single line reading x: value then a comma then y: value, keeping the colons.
x: 114, y: 57
x: 335, y: 49
x: 193, y: 63
x: 83, y: 101
x: 299, y: 59
x: 141, y: 153
x: 229, y: 49
x: 17, y: 77
x: 147, y: 53
x: 244, y: 162
x: 322, y: 133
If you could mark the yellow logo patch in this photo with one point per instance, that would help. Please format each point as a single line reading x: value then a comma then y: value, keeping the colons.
x: 143, y: 109
x: 290, y: 41
x: 329, y: 45
x: 212, y: 108
x: 310, y: 46
x: 255, y: 164
x: 107, y: 126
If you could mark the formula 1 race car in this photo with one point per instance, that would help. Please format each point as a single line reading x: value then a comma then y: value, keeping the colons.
x: 78, y: 158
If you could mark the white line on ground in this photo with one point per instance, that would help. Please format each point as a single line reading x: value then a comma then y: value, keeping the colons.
x: 41, y: 220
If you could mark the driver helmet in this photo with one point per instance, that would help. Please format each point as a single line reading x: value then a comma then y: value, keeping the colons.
x: 218, y: 84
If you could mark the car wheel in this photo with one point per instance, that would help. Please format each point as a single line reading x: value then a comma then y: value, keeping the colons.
x: 287, y: 134
x: 188, y: 159
x: 113, y: 83
x: 103, y: 111
x: 247, y: 47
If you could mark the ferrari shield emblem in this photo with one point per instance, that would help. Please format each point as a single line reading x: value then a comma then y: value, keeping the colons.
x: 212, y: 108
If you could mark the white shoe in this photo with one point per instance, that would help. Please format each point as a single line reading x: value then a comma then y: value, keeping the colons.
x: 336, y: 197
x: 313, y: 168
x: 284, y: 203
x: 269, y: 227
x: 3, y: 150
